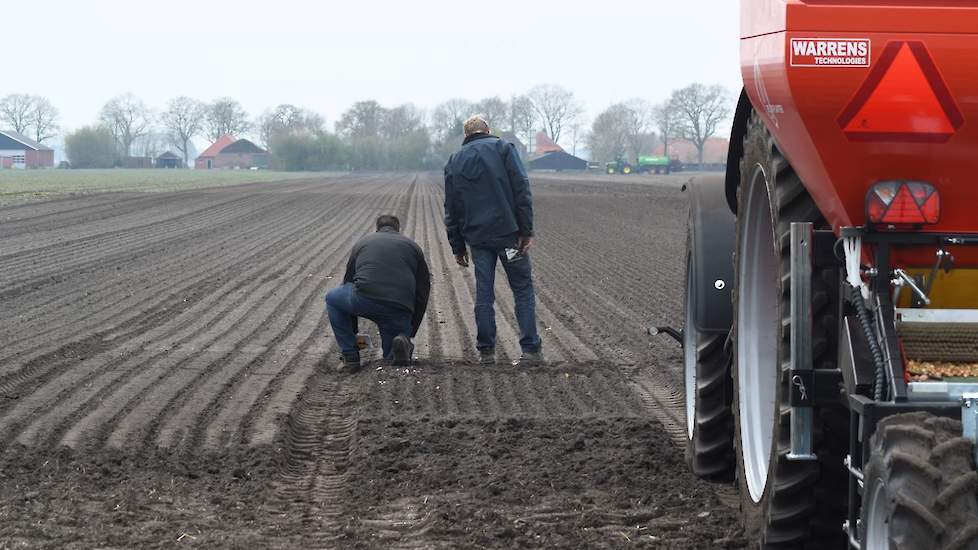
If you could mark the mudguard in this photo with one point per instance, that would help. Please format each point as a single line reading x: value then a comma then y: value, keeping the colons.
x: 736, y: 149
x: 712, y: 234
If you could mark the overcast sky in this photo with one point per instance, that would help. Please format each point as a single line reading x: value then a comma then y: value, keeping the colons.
x: 325, y: 55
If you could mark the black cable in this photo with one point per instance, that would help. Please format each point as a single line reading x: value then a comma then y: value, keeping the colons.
x: 879, y: 376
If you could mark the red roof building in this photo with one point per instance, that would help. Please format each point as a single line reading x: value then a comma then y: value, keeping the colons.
x: 542, y: 144
x: 206, y: 159
x: 233, y: 153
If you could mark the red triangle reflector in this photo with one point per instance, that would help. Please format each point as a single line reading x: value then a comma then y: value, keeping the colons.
x: 903, y: 209
x: 904, y: 98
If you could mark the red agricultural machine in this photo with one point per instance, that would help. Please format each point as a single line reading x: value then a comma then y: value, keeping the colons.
x: 832, y: 367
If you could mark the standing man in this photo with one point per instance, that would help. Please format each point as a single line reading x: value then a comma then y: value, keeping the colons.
x: 387, y: 281
x: 488, y: 207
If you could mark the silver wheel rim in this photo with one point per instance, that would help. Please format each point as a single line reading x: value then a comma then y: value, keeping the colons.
x: 877, y: 524
x: 757, y: 335
x: 689, y: 353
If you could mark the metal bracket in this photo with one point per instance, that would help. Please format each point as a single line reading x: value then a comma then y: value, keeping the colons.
x: 969, y: 420
x: 802, y: 420
x: 675, y: 334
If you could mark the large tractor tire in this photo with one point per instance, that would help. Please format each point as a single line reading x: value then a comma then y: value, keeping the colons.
x: 920, y: 486
x: 785, y: 503
x: 709, y: 422
x: 626, y: 170
x: 706, y: 358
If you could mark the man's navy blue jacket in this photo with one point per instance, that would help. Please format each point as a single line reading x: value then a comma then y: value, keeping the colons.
x: 487, y: 195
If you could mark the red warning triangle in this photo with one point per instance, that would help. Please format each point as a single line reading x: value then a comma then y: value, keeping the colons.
x: 904, y: 99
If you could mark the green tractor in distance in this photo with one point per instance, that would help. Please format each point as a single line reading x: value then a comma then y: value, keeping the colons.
x: 646, y: 163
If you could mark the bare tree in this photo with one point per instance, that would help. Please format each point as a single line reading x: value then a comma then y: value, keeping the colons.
x: 639, y: 126
x: 151, y: 144
x: 579, y: 133
x: 608, y: 139
x: 555, y: 107
x: 494, y: 110
x: 448, y: 117
x: 363, y: 120
x: 701, y: 110
x: 288, y: 119
x: 522, y: 118
x: 667, y: 121
x: 15, y: 112
x: 128, y: 118
x: 44, y: 120
x: 184, y: 120
x: 225, y: 116
x: 401, y: 121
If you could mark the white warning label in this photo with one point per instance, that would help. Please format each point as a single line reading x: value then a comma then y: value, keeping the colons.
x: 830, y: 52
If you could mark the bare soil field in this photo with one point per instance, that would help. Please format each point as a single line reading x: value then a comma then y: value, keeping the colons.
x: 166, y: 378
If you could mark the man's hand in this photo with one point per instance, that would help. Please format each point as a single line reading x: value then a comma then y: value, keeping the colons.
x: 524, y: 244
x: 462, y: 259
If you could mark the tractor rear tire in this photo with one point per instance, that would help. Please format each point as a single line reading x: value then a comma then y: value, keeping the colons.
x: 626, y: 170
x: 920, y: 486
x: 706, y: 363
x: 784, y: 503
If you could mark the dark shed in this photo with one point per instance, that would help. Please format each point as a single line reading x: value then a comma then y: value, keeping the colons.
x: 169, y: 160
x: 557, y: 160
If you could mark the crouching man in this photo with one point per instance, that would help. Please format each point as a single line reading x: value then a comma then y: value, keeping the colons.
x: 387, y: 281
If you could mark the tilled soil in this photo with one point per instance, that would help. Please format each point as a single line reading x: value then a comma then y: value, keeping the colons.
x: 166, y: 378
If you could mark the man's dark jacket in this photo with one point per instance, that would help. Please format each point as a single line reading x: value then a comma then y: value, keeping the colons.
x: 487, y: 195
x: 388, y: 267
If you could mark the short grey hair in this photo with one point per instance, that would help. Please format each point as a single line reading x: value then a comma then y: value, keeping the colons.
x: 476, y: 124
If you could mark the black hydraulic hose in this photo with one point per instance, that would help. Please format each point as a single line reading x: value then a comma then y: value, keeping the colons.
x: 879, y: 376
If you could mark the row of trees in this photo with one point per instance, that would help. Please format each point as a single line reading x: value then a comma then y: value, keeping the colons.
x: 369, y: 135
x: 30, y: 115
x: 635, y: 127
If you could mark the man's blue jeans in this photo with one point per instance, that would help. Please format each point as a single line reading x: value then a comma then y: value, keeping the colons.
x: 344, y: 305
x: 520, y: 281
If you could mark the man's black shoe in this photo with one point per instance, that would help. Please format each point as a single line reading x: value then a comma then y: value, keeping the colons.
x: 487, y: 357
x: 349, y: 364
x: 530, y: 359
x: 402, y: 349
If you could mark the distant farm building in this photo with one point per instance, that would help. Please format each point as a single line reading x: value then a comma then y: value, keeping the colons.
x: 230, y: 152
x: 557, y: 160
x: 18, y: 151
x: 169, y: 160
x: 542, y: 144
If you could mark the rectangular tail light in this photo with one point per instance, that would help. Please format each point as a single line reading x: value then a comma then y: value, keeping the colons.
x: 903, y: 203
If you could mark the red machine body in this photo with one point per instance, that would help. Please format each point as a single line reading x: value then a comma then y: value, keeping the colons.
x: 862, y: 92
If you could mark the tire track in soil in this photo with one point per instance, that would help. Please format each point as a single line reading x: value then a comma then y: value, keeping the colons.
x: 319, y: 436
